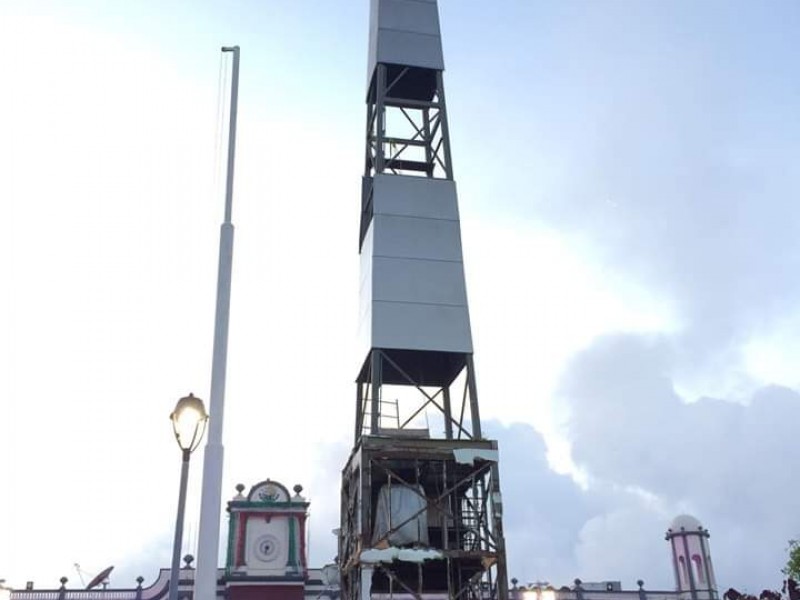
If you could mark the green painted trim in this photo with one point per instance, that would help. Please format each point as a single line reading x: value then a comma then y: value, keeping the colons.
x: 292, y: 544
x: 233, y: 522
x: 249, y: 504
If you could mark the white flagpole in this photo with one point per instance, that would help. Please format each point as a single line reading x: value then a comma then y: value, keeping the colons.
x: 211, y: 500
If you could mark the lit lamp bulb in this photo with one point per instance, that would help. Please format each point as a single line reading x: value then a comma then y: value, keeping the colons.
x: 189, y: 422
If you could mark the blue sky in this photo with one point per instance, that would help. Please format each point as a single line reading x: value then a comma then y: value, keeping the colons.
x: 627, y: 174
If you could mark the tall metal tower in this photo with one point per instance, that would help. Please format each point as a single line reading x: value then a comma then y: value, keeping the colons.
x: 421, y: 513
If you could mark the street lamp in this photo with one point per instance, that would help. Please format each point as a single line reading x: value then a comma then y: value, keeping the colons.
x: 188, y: 423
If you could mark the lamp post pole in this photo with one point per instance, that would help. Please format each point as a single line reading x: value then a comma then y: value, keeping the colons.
x: 174, y: 572
x: 188, y: 424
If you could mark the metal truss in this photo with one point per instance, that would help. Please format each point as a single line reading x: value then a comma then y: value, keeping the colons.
x: 434, y: 384
x: 462, y: 508
x: 407, y: 132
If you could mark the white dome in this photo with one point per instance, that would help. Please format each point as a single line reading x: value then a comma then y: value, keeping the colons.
x: 685, y: 523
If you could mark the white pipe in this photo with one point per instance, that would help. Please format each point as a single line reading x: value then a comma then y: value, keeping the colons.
x: 211, y: 500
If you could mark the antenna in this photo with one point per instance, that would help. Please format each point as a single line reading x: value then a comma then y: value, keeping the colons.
x: 101, y: 577
x: 80, y: 573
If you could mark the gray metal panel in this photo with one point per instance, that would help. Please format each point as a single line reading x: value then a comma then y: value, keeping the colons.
x: 405, y: 32
x: 411, y: 237
x: 365, y: 295
x: 422, y: 281
x: 421, y: 327
x: 409, y: 15
x: 415, y: 196
x: 411, y: 49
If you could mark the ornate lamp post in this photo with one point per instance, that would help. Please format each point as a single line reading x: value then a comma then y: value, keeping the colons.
x: 188, y: 423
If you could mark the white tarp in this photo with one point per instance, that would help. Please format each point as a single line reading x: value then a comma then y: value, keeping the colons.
x: 388, y: 555
x: 403, y: 511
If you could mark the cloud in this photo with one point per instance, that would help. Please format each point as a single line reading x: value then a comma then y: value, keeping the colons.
x: 725, y: 462
x: 543, y: 510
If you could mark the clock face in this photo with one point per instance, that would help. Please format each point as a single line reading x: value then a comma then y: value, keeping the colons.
x: 269, y: 493
x: 267, y: 548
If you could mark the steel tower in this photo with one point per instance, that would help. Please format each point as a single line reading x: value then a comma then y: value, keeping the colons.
x: 421, y: 513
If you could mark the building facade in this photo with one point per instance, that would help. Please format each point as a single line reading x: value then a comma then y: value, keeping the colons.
x: 267, y: 559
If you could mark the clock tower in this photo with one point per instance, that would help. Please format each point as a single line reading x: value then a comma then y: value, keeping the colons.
x: 266, y: 543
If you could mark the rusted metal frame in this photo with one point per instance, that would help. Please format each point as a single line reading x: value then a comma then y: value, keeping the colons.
x: 445, y: 515
x: 410, y: 380
x: 500, y: 544
x: 359, y: 411
x: 482, y: 524
x: 479, y: 472
x: 413, y: 487
x: 471, y: 585
x: 449, y: 572
x: 394, y: 578
x: 365, y: 405
x: 350, y: 541
x: 475, y: 515
x: 428, y: 501
x: 365, y: 519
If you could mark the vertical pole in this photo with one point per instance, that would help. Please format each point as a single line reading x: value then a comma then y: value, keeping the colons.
x: 174, y: 571
x: 359, y: 411
x: 445, y: 127
x: 474, y: 413
x: 426, y: 128
x: 375, y: 409
x: 380, y: 107
x: 448, y: 413
x: 211, y: 499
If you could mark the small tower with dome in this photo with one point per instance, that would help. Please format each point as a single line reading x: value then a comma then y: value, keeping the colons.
x: 266, y: 543
x: 691, y: 559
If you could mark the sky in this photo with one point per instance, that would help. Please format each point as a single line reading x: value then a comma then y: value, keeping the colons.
x: 628, y: 174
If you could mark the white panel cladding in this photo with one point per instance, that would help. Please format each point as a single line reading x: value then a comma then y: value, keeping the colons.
x: 421, y: 327
x: 413, y: 237
x: 414, y: 280
x: 365, y: 295
x: 413, y: 294
x: 414, y: 196
x: 405, y: 32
